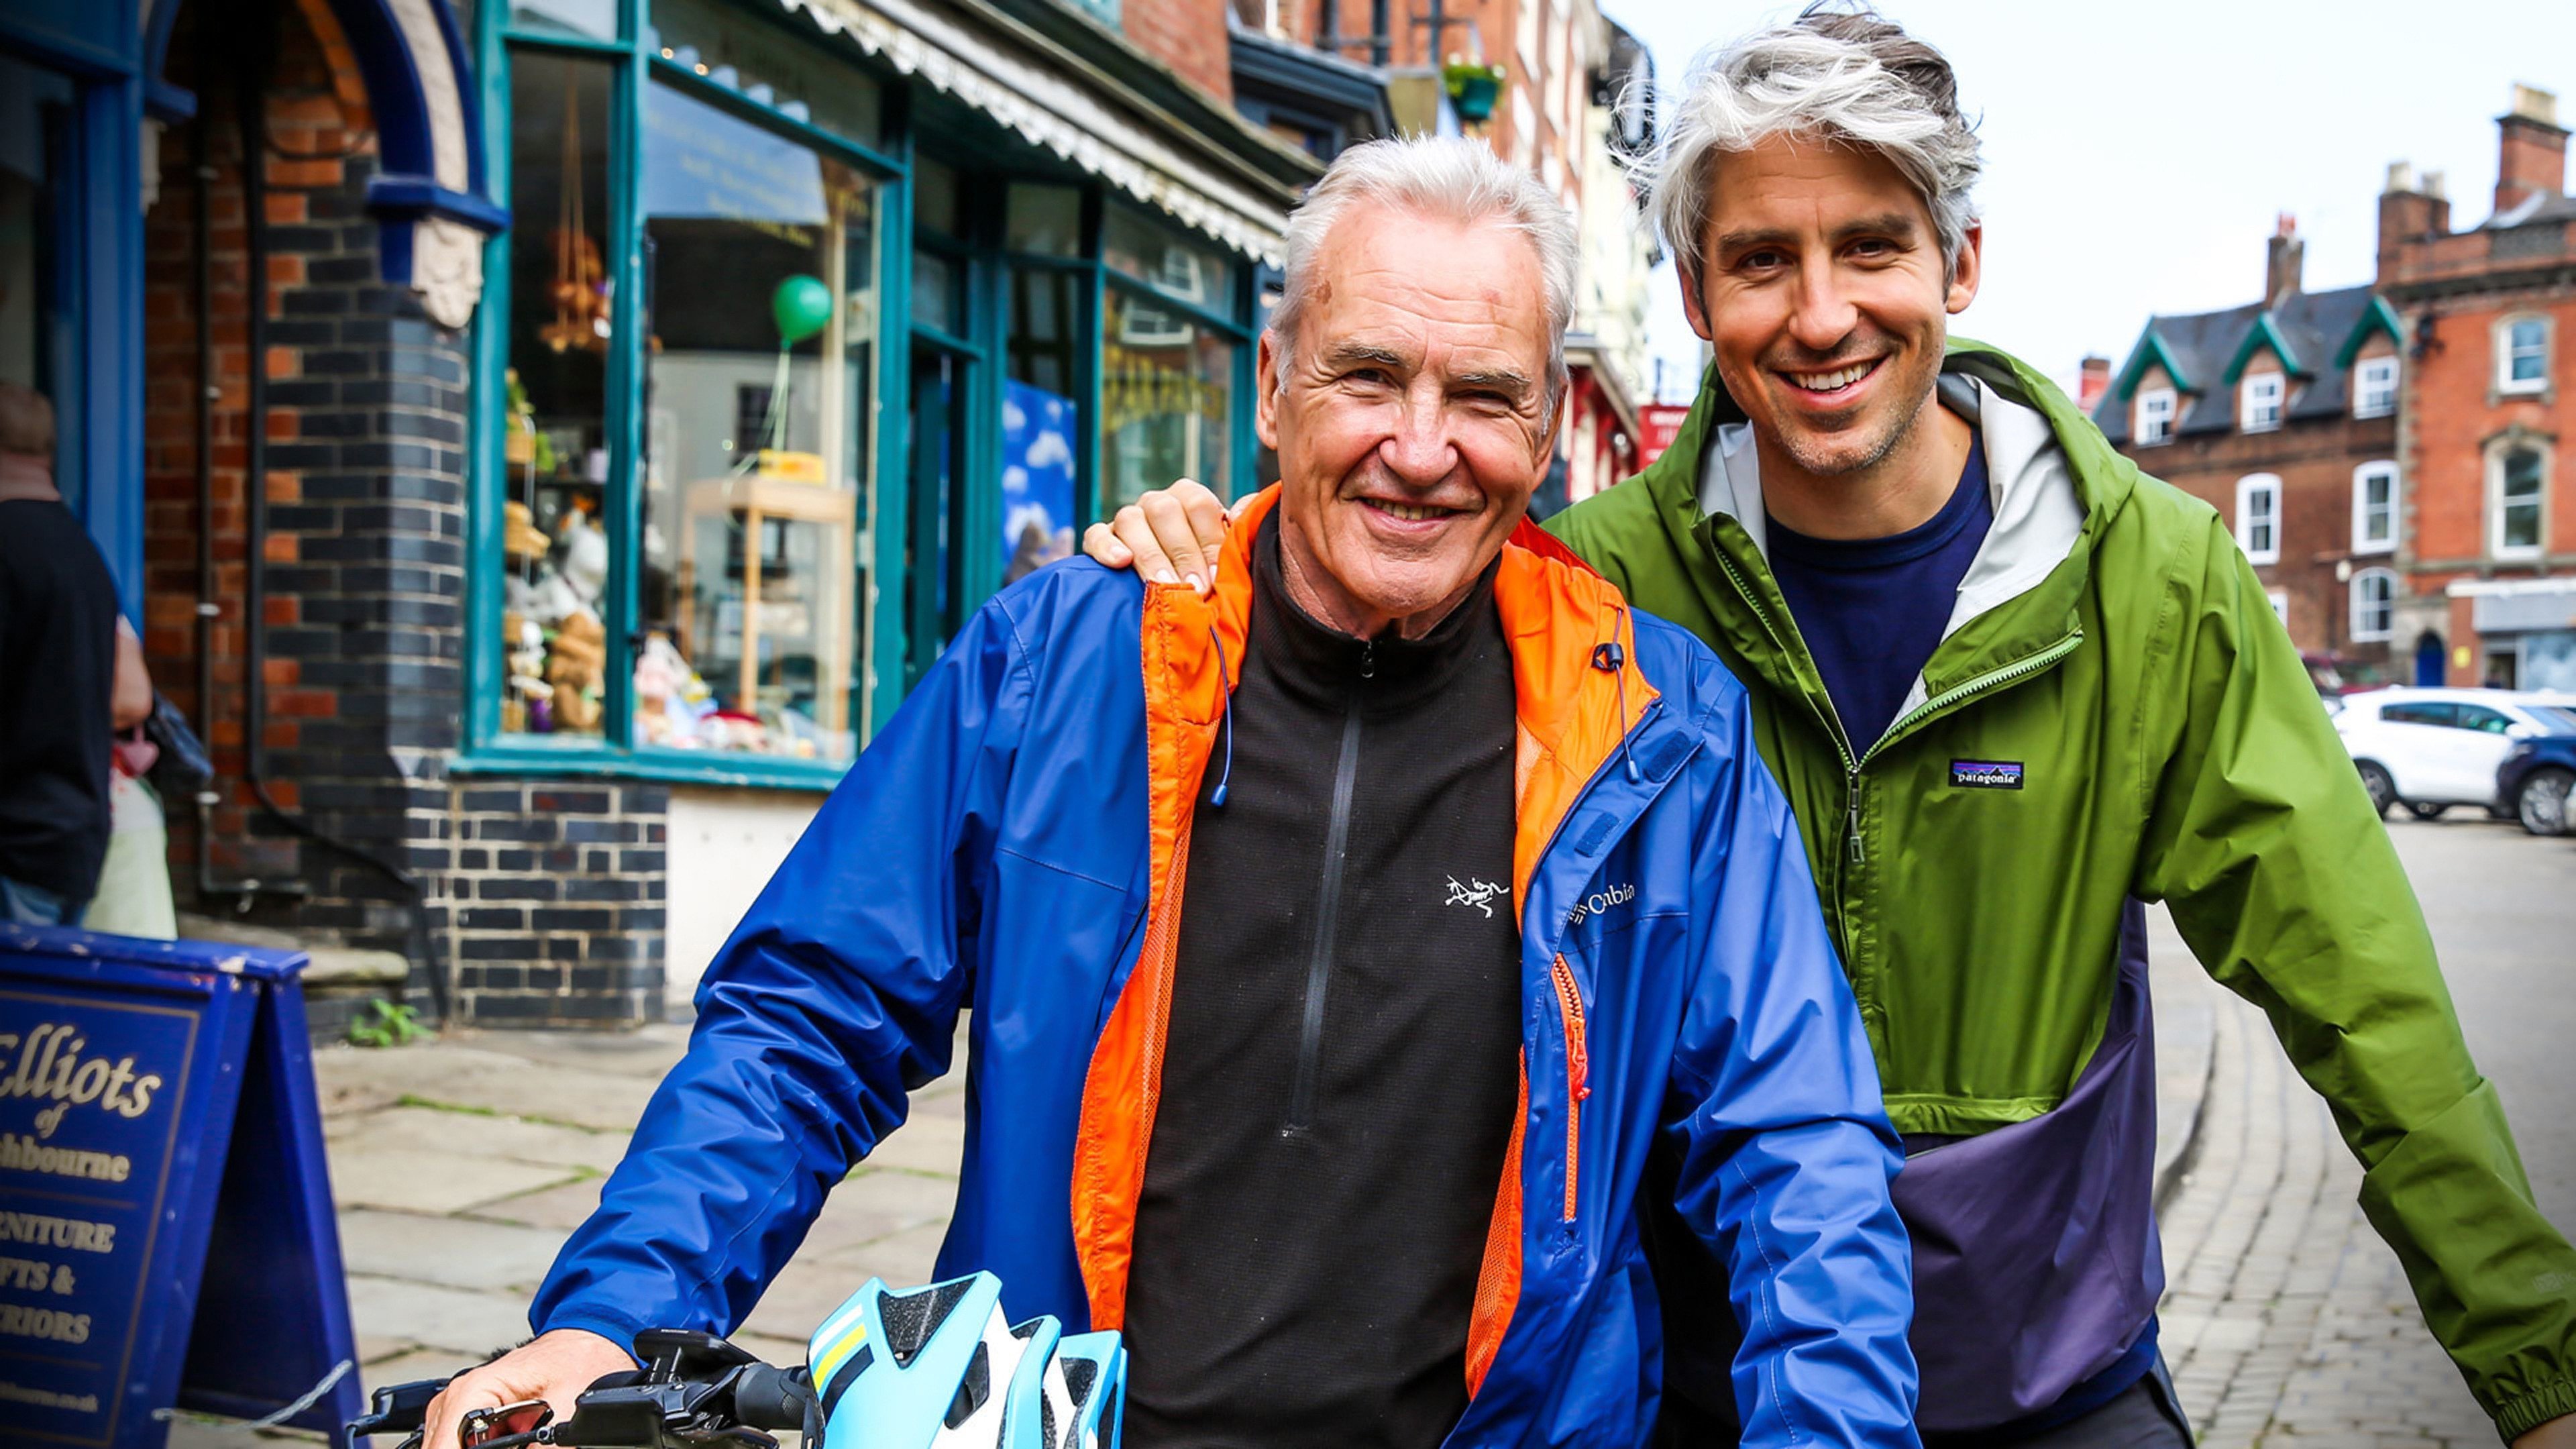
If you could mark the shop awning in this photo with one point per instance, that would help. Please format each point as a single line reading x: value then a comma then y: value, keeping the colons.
x: 1081, y: 91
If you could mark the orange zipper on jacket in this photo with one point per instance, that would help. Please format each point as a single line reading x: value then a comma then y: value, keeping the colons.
x: 1578, y: 1076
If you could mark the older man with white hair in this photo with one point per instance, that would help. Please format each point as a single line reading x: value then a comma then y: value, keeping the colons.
x: 2012, y: 689
x: 1490, y: 898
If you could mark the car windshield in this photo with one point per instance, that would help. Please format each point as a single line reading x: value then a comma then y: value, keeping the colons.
x: 2560, y: 718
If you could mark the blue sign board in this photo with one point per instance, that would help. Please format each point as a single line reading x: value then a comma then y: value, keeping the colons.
x: 159, y: 1135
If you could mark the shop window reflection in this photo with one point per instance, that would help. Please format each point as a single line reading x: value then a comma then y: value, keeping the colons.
x: 758, y: 459
x: 768, y: 63
x: 554, y: 444
x: 1166, y: 400
x: 1041, y: 421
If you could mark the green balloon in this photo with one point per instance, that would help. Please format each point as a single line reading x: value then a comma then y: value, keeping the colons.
x: 802, y: 305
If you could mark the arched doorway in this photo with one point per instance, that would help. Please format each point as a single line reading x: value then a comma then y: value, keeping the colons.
x: 2429, y: 650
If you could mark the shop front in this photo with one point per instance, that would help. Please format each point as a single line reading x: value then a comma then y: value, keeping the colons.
x: 818, y: 325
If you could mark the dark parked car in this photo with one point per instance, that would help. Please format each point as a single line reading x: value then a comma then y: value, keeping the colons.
x: 2535, y: 777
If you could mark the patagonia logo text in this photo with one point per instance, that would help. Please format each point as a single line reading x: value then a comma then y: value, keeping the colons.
x: 1985, y: 774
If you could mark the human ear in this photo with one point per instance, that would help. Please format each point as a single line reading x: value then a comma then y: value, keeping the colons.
x: 1966, y: 271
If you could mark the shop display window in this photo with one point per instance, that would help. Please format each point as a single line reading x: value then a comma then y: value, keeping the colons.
x: 768, y: 64
x: 554, y: 446
x: 582, y: 19
x: 1166, y: 400
x: 1164, y: 258
x: 760, y: 370
x: 1043, y: 220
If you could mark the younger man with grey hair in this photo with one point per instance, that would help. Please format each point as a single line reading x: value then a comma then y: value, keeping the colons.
x: 2013, y: 689
x: 1487, y: 892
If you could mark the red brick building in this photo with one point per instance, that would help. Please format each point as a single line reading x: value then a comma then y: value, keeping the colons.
x: 2282, y: 414
x: 2488, y: 429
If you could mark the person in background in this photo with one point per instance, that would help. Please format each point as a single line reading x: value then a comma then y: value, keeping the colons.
x: 58, y: 651
x: 133, y: 895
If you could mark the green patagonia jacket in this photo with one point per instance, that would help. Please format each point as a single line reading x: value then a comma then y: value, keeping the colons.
x: 2112, y: 641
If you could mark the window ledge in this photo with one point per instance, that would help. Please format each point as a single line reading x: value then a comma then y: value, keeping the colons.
x: 2374, y: 549
x: 674, y: 766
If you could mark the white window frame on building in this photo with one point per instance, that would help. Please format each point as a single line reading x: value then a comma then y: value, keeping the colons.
x: 2266, y: 401
x: 2280, y: 605
x: 2268, y: 486
x: 2364, y: 607
x: 2374, y: 387
x: 2500, y: 507
x: 2156, y: 406
x: 2374, y: 525
x: 2511, y: 350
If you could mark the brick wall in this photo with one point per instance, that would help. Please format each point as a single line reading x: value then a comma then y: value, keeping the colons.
x: 1187, y: 35
x: 552, y: 899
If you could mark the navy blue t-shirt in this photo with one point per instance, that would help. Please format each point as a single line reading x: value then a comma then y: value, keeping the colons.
x: 1872, y: 609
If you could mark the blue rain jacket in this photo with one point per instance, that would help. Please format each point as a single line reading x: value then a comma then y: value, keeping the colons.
x: 1015, y: 841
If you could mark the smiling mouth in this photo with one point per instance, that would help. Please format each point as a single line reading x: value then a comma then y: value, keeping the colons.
x: 1411, y: 512
x: 1834, y: 381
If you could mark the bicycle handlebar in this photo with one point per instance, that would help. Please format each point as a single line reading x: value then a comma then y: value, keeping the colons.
x: 695, y: 1389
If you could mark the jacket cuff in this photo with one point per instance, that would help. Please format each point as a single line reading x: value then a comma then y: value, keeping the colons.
x: 2519, y: 1416
x: 616, y: 1330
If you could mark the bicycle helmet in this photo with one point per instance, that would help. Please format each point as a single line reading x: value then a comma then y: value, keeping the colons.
x: 940, y: 1367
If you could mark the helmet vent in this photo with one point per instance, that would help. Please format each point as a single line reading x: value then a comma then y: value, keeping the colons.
x: 974, y: 1389
x: 1079, y: 1375
x: 911, y: 1318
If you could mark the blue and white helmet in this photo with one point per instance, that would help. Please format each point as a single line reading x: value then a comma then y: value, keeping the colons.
x: 941, y: 1368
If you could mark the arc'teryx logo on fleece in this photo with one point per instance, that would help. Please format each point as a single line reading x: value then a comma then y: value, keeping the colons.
x: 1985, y: 774
x: 1477, y: 893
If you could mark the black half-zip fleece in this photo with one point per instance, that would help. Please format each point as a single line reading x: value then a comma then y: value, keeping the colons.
x: 1341, y: 1070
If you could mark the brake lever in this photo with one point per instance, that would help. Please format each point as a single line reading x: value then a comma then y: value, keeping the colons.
x: 396, y: 1407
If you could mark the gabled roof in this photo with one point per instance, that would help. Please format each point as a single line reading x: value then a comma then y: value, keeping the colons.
x: 2377, y: 317
x: 2206, y: 352
x: 2266, y: 332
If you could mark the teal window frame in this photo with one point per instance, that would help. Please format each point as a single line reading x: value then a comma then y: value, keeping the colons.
x: 988, y: 264
x: 636, y: 66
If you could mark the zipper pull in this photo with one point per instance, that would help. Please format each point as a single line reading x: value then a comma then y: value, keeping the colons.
x: 1368, y: 659
x: 1851, y: 816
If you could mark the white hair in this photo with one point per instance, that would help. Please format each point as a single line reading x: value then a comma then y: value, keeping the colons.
x: 1447, y: 178
x: 1833, y: 76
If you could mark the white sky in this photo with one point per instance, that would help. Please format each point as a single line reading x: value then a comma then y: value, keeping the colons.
x: 2136, y: 154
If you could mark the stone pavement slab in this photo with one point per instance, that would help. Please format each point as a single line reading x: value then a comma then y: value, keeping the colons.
x: 481, y: 1134
x: 562, y: 1207
x: 428, y: 1315
x: 426, y: 1181
x: 453, y: 1252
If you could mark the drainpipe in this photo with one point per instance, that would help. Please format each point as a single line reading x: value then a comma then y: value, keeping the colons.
x: 252, y: 108
x: 207, y: 609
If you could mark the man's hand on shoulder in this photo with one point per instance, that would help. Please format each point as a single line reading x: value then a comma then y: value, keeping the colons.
x: 554, y: 1366
x: 2558, y: 1433
x: 1170, y: 536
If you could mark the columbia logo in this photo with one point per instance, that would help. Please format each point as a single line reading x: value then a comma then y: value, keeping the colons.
x: 1985, y: 774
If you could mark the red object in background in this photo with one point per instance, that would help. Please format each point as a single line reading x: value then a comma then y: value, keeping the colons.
x: 1661, y: 423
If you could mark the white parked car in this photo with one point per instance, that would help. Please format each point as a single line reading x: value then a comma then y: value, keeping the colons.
x: 2431, y: 749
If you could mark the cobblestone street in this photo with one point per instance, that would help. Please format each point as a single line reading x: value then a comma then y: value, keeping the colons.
x: 2286, y: 1319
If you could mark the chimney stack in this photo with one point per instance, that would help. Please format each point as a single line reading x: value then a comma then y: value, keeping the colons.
x: 2532, y: 157
x: 2281, y: 260
x: 2410, y: 210
x: 2093, y: 378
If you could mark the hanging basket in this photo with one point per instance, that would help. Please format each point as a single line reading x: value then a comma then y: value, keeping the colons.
x: 1472, y: 89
